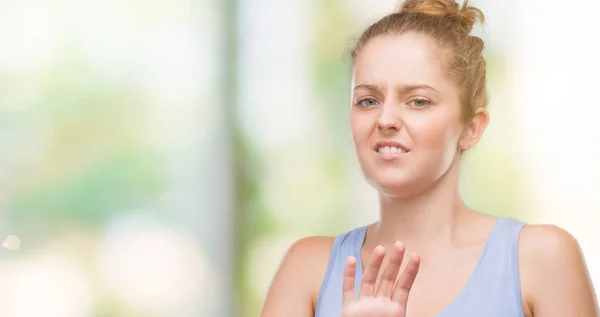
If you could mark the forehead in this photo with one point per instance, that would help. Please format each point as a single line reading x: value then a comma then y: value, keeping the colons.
x: 400, y: 59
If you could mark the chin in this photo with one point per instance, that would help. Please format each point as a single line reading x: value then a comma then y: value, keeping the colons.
x: 400, y: 183
x: 391, y: 185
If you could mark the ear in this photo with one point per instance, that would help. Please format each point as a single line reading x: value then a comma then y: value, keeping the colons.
x: 474, y: 129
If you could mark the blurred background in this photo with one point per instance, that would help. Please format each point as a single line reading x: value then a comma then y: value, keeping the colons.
x: 158, y: 157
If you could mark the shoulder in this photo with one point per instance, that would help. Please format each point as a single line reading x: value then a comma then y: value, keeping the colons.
x: 554, y: 276
x: 549, y: 247
x: 313, y: 246
x: 546, y: 248
x: 308, y: 256
x: 296, y: 283
x: 544, y: 241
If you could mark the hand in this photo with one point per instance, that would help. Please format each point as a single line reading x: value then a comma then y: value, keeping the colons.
x: 391, y: 296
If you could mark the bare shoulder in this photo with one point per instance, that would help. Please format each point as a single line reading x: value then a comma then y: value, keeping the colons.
x: 309, y: 255
x: 554, y: 277
x: 309, y: 245
x: 307, y: 259
x: 296, y: 284
x: 547, y: 242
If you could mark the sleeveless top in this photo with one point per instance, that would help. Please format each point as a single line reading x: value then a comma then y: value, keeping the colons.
x: 493, y: 289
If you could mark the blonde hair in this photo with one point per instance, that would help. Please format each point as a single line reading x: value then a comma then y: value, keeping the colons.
x: 449, y: 25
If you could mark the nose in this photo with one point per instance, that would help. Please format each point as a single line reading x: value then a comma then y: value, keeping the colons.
x: 389, y: 118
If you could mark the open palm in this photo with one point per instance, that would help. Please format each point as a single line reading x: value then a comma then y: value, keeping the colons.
x: 389, y: 298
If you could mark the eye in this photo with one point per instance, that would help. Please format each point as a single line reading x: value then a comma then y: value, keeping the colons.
x: 367, y: 102
x: 420, y: 102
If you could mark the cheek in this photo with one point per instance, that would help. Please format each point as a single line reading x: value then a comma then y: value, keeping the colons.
x: 360, y: 127
x: 439, y: 138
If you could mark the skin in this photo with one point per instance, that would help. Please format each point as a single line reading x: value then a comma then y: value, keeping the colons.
x: 401, y: 94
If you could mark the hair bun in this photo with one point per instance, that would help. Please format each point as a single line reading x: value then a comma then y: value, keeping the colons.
x: 466, y: 15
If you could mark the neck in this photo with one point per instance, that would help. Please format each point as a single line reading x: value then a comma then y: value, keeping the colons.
x: 424, y: 220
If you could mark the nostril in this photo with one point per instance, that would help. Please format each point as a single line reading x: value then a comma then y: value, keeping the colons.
x: 388, y: 127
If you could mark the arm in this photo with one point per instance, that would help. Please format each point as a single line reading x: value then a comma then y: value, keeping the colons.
x: 296, y: 284
x: 555, y: 279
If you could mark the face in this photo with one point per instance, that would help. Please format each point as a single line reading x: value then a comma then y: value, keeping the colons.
x: 406, y: 116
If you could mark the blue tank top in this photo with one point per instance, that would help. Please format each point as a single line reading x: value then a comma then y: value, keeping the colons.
x: 493, y: 290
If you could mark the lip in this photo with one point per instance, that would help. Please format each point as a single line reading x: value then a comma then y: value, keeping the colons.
x: 390, y: 156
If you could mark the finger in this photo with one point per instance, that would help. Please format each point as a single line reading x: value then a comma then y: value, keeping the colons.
x: 348, y: 294
x: 367, y: 287
x: 406, y: 280
x: 390, y: 274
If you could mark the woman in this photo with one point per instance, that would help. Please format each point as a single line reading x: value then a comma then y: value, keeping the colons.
x: 418, y: 102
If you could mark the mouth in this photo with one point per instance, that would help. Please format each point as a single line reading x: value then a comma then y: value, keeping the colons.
x: 390, y: 150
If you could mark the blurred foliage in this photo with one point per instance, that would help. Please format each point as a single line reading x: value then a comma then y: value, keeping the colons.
x: 251, y: 220
x: 95, y: 163
x: 331, y: 75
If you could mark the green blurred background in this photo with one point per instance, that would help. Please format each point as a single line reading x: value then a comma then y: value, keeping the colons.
x: 158, y: 157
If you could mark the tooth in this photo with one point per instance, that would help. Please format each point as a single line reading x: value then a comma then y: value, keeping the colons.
x: 386, y: 149
x: 394, y: 149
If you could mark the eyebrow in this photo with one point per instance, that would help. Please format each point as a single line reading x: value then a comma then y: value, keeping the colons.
x: 405, y: 88
x: 366, y: 86
x: 401, y: 89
